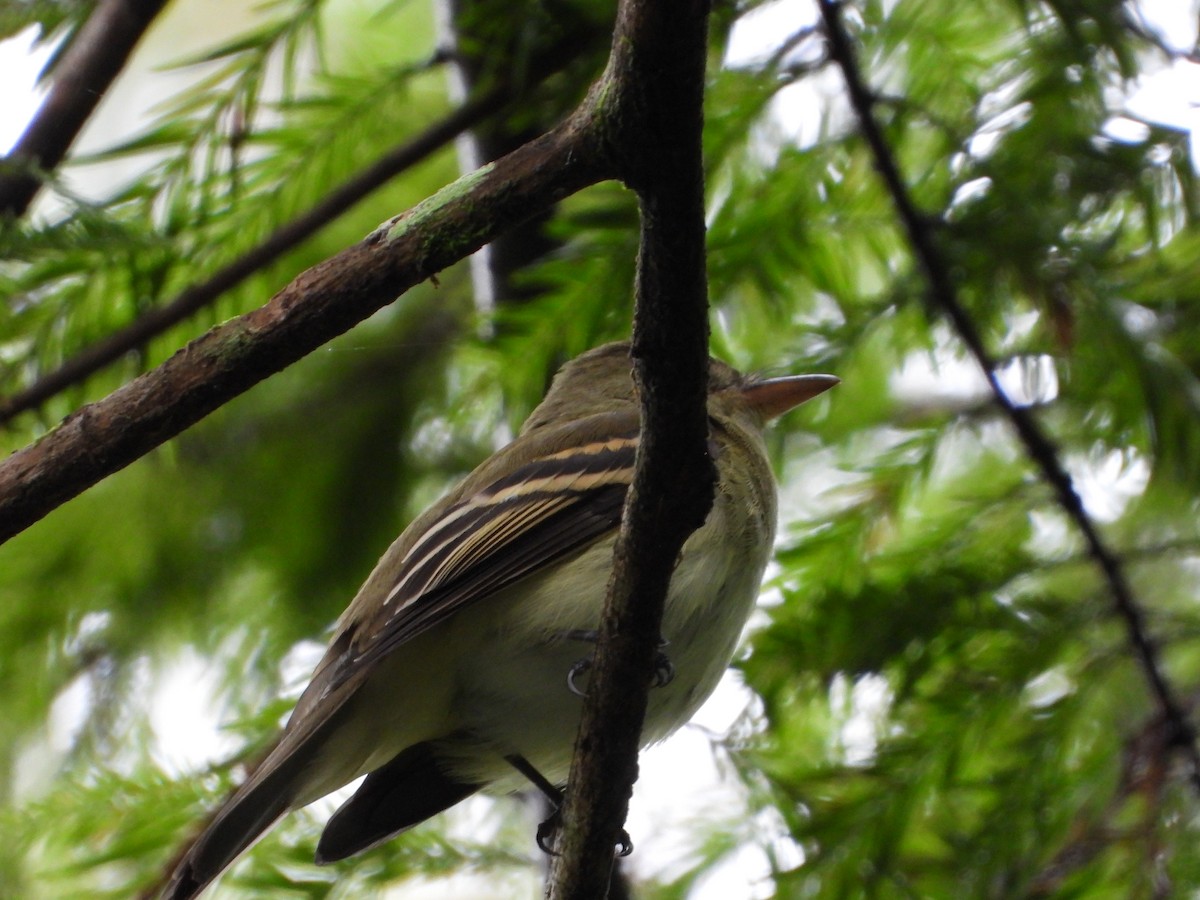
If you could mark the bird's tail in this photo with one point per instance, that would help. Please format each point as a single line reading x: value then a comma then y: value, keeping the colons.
x: 237, y: 824
x: 392, y: 799
x: 395, y: 797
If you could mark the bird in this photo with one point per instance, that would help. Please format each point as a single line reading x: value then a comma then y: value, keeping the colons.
x: 457, y: 667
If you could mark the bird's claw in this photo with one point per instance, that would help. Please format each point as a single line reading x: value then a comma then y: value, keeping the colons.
x: 624, y: 844
x: 547, y: 834
x: 580, y: 666
x: 664, y: 669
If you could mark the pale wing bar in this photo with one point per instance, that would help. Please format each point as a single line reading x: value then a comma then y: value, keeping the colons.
x: 511, y: 529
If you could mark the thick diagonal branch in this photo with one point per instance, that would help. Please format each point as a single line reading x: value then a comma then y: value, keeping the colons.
x: 320, y: 304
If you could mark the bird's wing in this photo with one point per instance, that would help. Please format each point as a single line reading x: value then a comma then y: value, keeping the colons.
x: 513, y: 527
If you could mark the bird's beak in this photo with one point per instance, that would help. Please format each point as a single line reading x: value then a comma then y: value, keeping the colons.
x: 775, y: 396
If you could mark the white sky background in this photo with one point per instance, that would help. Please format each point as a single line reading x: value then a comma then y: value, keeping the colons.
x: 680, y: 786
x: 19, y: 66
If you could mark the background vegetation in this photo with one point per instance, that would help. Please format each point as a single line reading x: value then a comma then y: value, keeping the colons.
x: 943, y: 697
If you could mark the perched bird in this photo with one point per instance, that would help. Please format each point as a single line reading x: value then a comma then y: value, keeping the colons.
x: 457, y: 667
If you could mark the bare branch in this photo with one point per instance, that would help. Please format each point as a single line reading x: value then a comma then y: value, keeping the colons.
x: 1038, y: 446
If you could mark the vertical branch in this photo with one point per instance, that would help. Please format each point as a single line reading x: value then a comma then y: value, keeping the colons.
x: 1038, y: 446
x: 654, y: 83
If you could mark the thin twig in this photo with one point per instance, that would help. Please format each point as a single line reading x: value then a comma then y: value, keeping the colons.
x: 1039, y: 447
x: 91, y: 63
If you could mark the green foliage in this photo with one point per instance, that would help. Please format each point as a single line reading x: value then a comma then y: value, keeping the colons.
x: 946, y: 704
x: 50, y: 17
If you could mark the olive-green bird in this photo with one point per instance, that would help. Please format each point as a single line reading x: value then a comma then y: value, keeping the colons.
x: 457, y: 667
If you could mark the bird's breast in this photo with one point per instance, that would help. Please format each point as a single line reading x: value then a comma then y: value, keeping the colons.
x: 515, y: 698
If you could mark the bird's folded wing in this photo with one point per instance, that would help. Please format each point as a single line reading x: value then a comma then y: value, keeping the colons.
x: 513, y: 527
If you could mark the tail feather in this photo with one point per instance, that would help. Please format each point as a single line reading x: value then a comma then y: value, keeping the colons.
x: 395, y: 797
x: 271, y: 790
x: 290, y: 775
x: 238, y: 823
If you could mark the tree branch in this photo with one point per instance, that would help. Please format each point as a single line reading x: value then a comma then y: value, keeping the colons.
x: 105, y: 436
x: 1037, y: 445
x: 653, y: 90
x: 91, y: 63
x: 194, y: 298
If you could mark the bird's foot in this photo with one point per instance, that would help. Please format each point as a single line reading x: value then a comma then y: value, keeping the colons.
x: 547, y: 832
x: 664, y: 669
x: 547, y: 836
